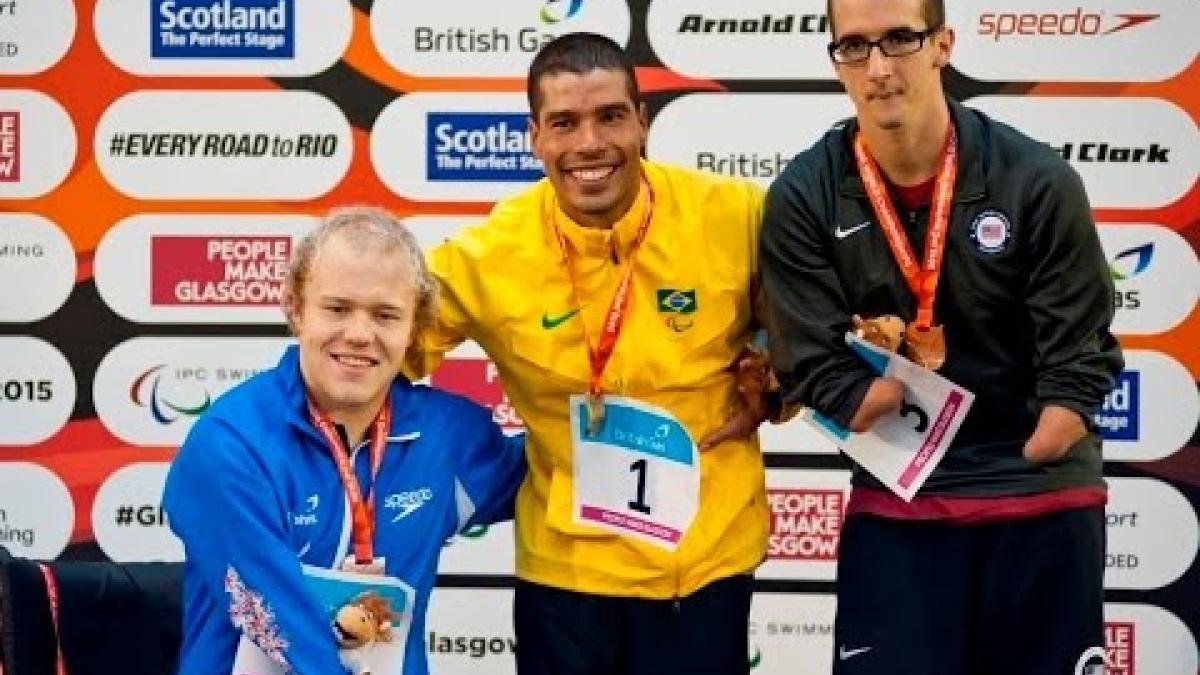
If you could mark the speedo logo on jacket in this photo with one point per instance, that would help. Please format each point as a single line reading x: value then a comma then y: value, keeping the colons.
x: 401, y: 504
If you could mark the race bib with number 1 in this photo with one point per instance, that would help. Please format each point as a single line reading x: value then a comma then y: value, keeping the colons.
x: 638, y: 475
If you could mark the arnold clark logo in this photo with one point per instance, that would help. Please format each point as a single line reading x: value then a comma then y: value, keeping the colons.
x: 1146, y: 640
x: 484, y: 38
x: 1147, y: 264
x: 1137, y: 555
x: 223, y: 28
x: 749, y: 39
x: 478, y: 146
x: 1151, y: 412
x: 1130, y: 152
x: 1033, y: 40
x: 149, y: 391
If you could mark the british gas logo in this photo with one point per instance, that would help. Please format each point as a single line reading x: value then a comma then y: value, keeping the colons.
x: 1146, y: 263
x: 555, y: 11
x: 484, y: 38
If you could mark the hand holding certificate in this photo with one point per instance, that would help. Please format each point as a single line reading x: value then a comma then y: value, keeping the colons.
x: 901, y: 449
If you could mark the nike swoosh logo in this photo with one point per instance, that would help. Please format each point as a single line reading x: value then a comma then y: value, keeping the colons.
x: 843, y: 233
x: 549, y: 322
x: 844, y: 653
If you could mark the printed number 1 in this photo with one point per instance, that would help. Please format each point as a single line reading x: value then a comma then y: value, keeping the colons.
x: 640, y: 504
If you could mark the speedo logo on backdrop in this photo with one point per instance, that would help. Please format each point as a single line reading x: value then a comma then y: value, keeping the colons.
x: 1078, y: 23
x: 1039, y: 41
x: 480, y: 146
x: 223, y: 28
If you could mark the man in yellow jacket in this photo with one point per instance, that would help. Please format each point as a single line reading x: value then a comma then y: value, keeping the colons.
x: 614, y: 297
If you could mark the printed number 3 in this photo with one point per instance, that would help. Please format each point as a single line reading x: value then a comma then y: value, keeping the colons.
x: 907, y: 409
x: 639, y: 504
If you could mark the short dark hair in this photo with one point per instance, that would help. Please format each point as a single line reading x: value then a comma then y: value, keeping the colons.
x: 933, y: 11
x: 578, y: 53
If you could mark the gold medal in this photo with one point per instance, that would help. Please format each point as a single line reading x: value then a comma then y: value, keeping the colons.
x: 926, y: 346
x: 595, y: 412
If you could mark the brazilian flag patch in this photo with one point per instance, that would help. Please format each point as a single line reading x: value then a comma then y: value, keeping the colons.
x: 676, y: 300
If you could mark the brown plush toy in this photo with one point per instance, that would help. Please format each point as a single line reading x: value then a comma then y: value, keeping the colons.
x: 885, y: 331
x: 357, y: 625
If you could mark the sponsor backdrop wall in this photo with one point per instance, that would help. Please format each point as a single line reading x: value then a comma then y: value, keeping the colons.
x: 159, y: 158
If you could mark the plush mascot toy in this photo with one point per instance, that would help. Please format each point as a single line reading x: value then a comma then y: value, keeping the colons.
x: 359, y: 624
x: 885, y: 331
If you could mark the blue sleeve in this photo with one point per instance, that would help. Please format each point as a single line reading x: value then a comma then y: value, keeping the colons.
x: 488, y: 467
x: 233, y: 522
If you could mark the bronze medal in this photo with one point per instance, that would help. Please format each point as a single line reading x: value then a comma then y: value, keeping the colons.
x: 926, y: 346
x: 595, y: 412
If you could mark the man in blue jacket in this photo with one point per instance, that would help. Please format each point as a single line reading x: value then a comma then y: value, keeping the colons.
x: 331, y: 460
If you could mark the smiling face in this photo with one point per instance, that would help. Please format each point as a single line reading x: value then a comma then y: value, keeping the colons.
x: 891, y: 92
x: 354, y: 323
x: 589, y: 134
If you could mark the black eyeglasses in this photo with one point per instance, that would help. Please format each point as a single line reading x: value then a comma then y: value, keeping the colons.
x: 895, y: 42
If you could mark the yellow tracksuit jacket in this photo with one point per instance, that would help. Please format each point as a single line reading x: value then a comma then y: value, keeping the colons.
x: 505, y: 285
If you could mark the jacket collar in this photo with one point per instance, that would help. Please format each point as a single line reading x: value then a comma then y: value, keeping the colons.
x: 405, y: 411
x: 969, y: 184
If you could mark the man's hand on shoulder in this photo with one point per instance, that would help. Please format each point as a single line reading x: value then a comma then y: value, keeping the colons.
x: 1058, y: 428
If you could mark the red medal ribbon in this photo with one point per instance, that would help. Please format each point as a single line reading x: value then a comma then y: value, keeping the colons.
x: 362, y: 512
x: 921, y: 276
x: 614, y: 318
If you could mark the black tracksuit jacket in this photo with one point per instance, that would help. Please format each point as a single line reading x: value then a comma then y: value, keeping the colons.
x: 1026, y: 300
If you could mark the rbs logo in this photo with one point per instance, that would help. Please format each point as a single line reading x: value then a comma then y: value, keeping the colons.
x: 1118, y: 417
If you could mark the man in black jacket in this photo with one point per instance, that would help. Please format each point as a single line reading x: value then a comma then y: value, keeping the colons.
x: 981, y: 240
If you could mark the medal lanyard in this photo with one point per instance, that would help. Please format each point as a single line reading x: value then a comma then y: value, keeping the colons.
x: 362, y: 518
x: 922, y: 276
x: 614, y: 318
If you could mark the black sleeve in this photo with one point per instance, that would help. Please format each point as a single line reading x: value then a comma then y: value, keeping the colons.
x: 1069, y: 296
x: 806, y: 309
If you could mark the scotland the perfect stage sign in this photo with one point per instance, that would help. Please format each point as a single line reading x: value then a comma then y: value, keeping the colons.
x: 223, y: 29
